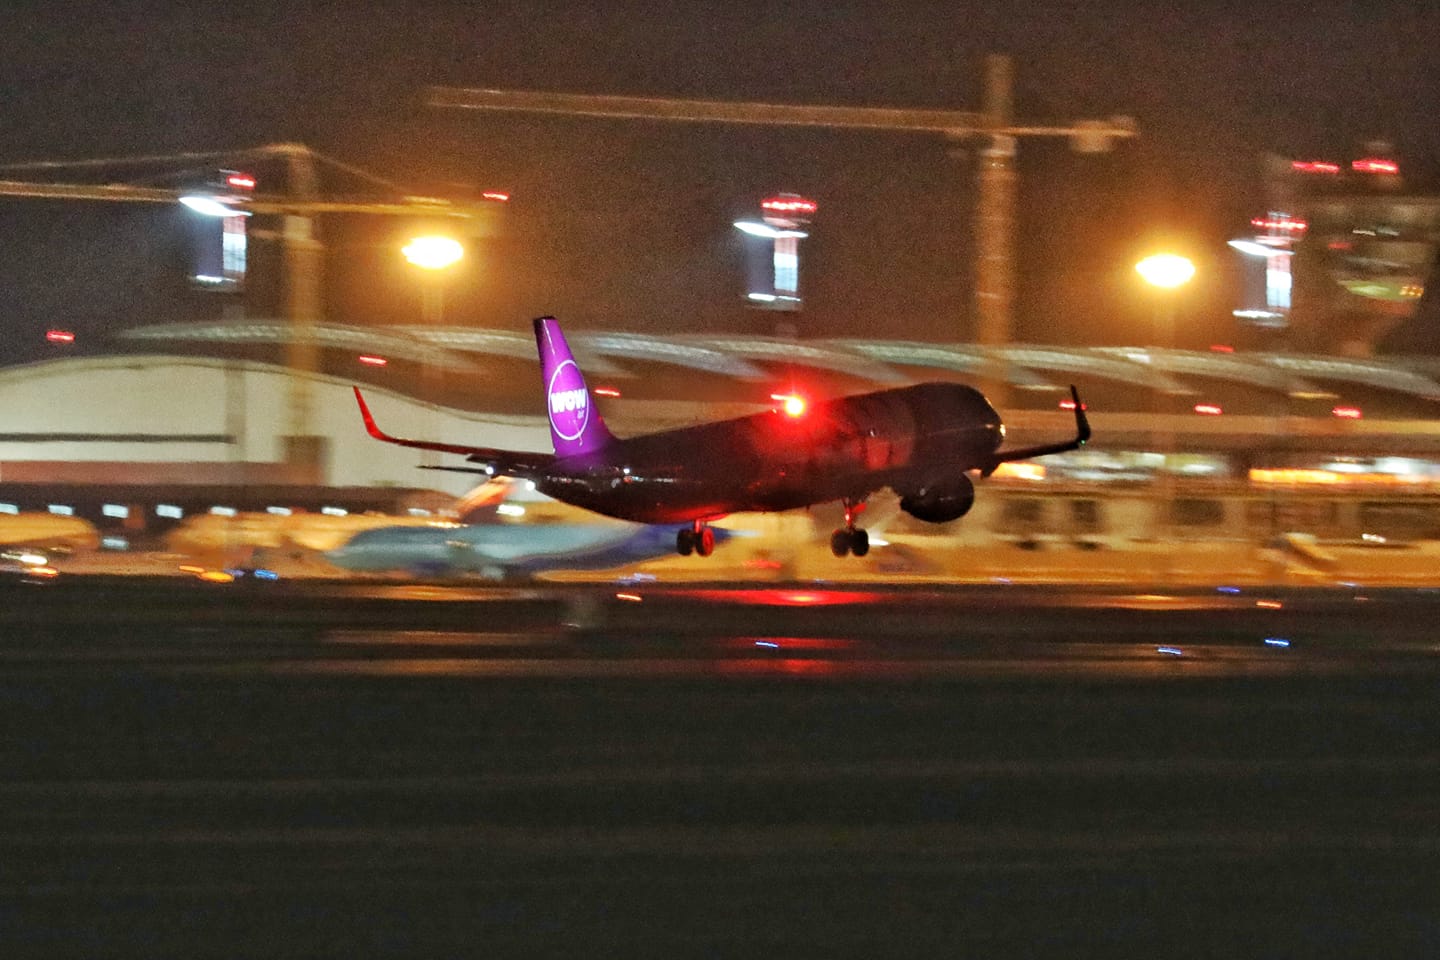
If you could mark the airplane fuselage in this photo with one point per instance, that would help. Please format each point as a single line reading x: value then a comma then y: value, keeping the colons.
x: 842, y: 449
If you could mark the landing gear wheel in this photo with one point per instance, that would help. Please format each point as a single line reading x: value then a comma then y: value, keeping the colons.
x: 840, y: 542
x: 704, y: 541
x: 859, y: 542
x: 684, y: 542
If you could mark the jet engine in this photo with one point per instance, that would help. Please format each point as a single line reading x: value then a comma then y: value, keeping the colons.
x: 940, y: 501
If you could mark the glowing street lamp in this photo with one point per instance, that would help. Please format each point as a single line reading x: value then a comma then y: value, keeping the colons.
x: 433, y: 252
x: 1165, y: 270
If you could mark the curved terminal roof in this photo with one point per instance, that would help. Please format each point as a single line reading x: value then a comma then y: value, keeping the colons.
x: 1027, y: 366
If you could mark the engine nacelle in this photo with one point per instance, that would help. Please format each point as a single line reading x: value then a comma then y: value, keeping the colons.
x: 941, y: 501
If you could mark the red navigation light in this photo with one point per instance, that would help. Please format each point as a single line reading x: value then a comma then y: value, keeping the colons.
x: 1314, y: 166
x: 371, y: 360
x: 240, y: 181
x: 1221, y: 348
x: 1347, y: 413
x: 792, y: 404
x: 606, y: 392
x: 59, y: 336
x: 499, y: 196
x: 1070, y: 405
x: 1375, y: 165
x: 1209, y: 409
x: 789, y: 204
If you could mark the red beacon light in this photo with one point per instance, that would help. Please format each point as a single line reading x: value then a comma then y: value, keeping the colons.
x: 370, y: 360
x: 59, y: 336
x: 1347, y: 413
x: 791, y: 404
x: 1070, y: 405
x: 240, y: 181
x: 1209, y: 409
x: 1314, y: 166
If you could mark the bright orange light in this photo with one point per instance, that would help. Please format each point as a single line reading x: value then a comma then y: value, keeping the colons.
x: 60, y: 336
x: 499, y: 196
x: 371, y: 360
x: 1209, y: 409
x: 433, y: 252
x: 1347, y: 413
x: 605, y: 392
x: 631, y: 597
x: 792, y: 404
x: 1015, y: 470
x: 1166, y: 270
x: 1070, y: 405
x: 217, y: 576
x: 1221, y: 348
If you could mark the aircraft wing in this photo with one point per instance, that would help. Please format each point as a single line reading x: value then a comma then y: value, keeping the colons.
x: 1082, y: 436
x: 513, y: 463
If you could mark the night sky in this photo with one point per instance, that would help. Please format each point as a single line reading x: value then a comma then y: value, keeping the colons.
x: 625, y: 225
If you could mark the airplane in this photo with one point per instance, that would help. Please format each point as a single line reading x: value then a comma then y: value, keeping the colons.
x: 502, y: 550
x: 47, y: 531
x: 921, y: 441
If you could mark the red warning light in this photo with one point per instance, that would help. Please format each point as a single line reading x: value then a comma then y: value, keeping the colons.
x: 789, y: 204
x: 1209, y: 409
x: 240, y: 181
x: 1221, y: 348
x: 1282, y: 224
x: 1347, y: 413
x: 372, y: 360
x: 499, y: 196
x: 1314, y: 166
x: 792, y: 404
x: 59, y: 336
x: 606, y: 392
x: 1070, y: 405
x: 1375, y: 165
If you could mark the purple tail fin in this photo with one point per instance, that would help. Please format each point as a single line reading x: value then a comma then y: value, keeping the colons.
x: 575, y: 424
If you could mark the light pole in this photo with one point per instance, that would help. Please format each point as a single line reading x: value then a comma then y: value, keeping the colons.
x: 434, y: 255
x: 1166, y: 272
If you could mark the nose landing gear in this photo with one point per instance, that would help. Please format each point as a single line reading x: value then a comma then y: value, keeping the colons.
x: 698, y: 538
x: 849, y: 538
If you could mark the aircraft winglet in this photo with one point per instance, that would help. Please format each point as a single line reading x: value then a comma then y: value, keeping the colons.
x: 1082, y: 437
x: 370, y: 424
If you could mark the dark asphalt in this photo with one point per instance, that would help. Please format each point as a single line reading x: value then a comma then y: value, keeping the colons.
x: 288, y: 770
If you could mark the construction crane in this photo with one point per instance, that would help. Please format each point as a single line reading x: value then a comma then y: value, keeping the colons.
x: 303, y: 249
x: 994, y: 124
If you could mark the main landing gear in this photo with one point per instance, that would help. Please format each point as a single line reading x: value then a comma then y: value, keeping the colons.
x: 849, y: 538
x: 698, y: 539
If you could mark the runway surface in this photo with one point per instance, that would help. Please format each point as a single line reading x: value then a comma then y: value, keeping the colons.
x: 637, y: 769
